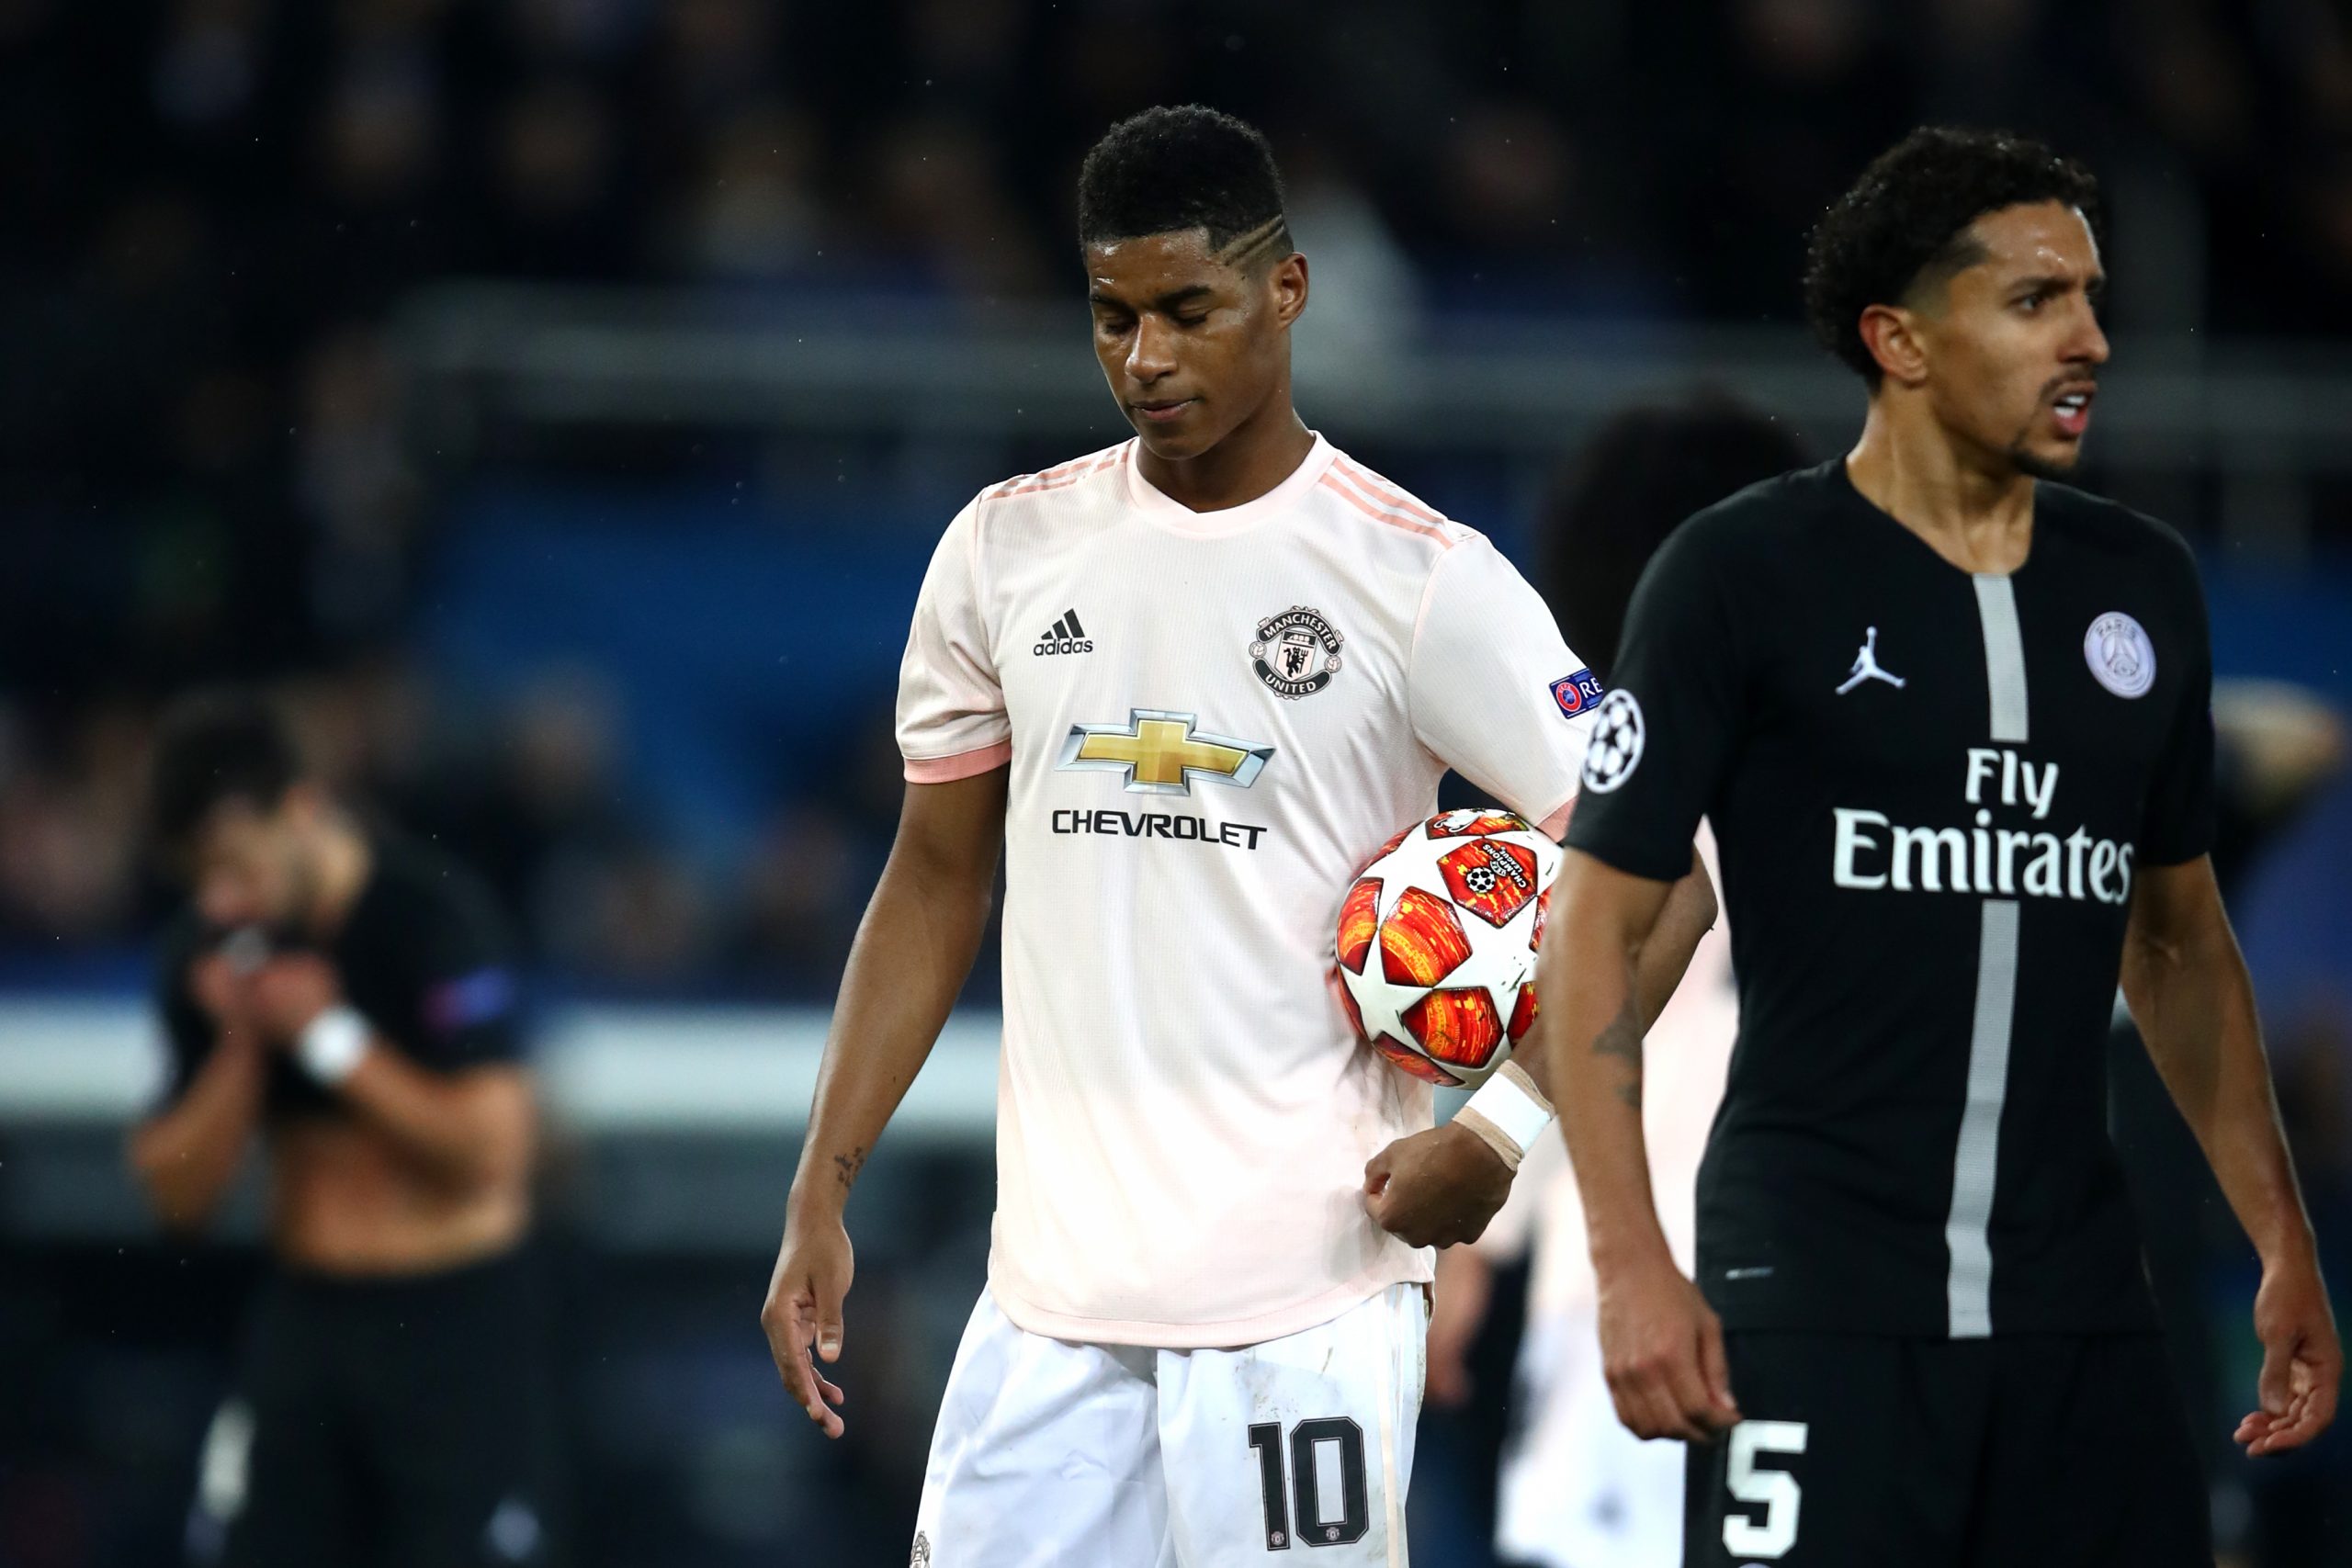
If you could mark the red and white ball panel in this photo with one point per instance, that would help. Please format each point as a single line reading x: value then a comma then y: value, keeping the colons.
x: 1436, y: 942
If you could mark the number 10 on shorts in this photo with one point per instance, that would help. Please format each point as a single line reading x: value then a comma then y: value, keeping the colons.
x: 1775, y: 1491
x: 1321, y: 1453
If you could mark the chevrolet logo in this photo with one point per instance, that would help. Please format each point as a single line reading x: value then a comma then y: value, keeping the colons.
x: 1160, y: 755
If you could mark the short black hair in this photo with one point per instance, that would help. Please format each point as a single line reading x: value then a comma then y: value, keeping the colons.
x: 212, y: 748
x: 1171, y: 169
x: 1646, y: 472
x: 1906, y: 219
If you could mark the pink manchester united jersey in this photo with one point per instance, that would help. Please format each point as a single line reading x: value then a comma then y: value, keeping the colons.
x: 1213, y: 720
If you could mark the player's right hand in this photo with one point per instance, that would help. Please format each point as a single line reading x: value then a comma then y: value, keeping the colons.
x: 804, y: 1309
x: 1662, y: 1351
x: 2302, y: 1360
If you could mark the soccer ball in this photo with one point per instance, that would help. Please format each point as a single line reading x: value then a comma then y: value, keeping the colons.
x: 1436, y: 943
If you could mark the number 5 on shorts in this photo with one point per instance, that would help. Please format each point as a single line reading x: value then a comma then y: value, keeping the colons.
x: 1775, y: 1490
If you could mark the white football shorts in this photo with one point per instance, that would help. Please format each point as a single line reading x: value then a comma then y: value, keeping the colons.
x: 1051, y: 1452
x: 1578, y: 1490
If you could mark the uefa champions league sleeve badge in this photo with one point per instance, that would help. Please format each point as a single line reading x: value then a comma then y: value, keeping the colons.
x: 1296, y: 653
x: 1615, y: 749
x: 2119, y: 654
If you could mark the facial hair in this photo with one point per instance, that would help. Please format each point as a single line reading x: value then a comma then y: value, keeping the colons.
x: 2035, y: 467
x: 2021, y: 453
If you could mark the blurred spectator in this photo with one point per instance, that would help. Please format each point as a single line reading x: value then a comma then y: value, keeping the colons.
x: 1982, y: 62
x: 219, y: 209
x: 382, y: 126
x: 1509, y: 171
x: 210, y: 65
x: 535, y: 802
x: 752, y: 213
x: 1783, y: 159
x: 2296, y: 916
x: 804, y: 887
x: 942, y: 203
x: 67, y: 833
x: 355, y: 487
x: 721, y: 54
x: 1364, y: 289
x: 638, y: 919
x: 555, y: 158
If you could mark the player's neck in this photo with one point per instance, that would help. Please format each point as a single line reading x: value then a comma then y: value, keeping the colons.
x: 1975, y: 513
x: 1258, y: 454
x: 345, y: 861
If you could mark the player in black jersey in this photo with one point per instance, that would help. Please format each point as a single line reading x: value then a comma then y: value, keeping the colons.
x: 350, y: 997
x: 1948, y: 720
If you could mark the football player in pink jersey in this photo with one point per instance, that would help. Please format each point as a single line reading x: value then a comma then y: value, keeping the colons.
x: 1190, y: 685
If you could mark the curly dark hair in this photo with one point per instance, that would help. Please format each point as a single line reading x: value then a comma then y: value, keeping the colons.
x: 1169, y: 169
x: 1906, y: 220
x: 213, y: 748
x: 1647, y: 471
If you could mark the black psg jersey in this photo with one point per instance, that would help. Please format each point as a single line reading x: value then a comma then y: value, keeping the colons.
x: 422, y: 955
x: 1931, y: 791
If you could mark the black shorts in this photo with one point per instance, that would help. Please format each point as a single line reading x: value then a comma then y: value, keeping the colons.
x: 388, y: 1424
x: 2058, y: 1450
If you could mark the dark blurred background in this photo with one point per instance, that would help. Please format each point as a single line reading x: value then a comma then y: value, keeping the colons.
x: 556, y: 400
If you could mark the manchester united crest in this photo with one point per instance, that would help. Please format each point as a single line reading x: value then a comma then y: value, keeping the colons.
x: 1296, y: 653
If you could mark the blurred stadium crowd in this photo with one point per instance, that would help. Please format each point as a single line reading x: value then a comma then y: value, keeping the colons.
x: 217, y: 203
x: 217, y: 208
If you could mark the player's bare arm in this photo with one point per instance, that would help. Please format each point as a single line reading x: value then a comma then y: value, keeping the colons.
x: 1460, y: 1297
x: 187, y: 1155
x: 1661, y: 1344
x: 930, y: 910
x: 473, y: 1132
x: 2188, y: 990
x: 476, y: 1130
x: 1441, y: 1188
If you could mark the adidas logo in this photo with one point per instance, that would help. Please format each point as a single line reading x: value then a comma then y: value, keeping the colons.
x: 1065, y: 636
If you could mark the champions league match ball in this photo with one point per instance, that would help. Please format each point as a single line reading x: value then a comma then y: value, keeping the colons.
x: 1436, y: 943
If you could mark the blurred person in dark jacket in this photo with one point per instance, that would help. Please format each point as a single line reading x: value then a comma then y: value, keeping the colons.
x: 1573, y: 1488
x: 344, y: 998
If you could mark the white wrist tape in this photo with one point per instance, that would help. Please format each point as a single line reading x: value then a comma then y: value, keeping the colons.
x: 1508, y: 1111
x: 331, y: 1047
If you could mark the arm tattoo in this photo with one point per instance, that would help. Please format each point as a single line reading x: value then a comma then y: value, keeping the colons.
x: 846, y: 1167
x: 1622, y: 1038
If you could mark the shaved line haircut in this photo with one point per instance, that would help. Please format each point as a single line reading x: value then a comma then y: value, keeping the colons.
x: 1172, y: 170
x: 1269, y: 241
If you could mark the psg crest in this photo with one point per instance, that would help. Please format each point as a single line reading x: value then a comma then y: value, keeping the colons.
x: 1296, y: 653
x: 2119, y: 654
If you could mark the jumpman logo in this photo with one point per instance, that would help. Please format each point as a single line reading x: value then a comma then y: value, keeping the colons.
x: 1866, y: 667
